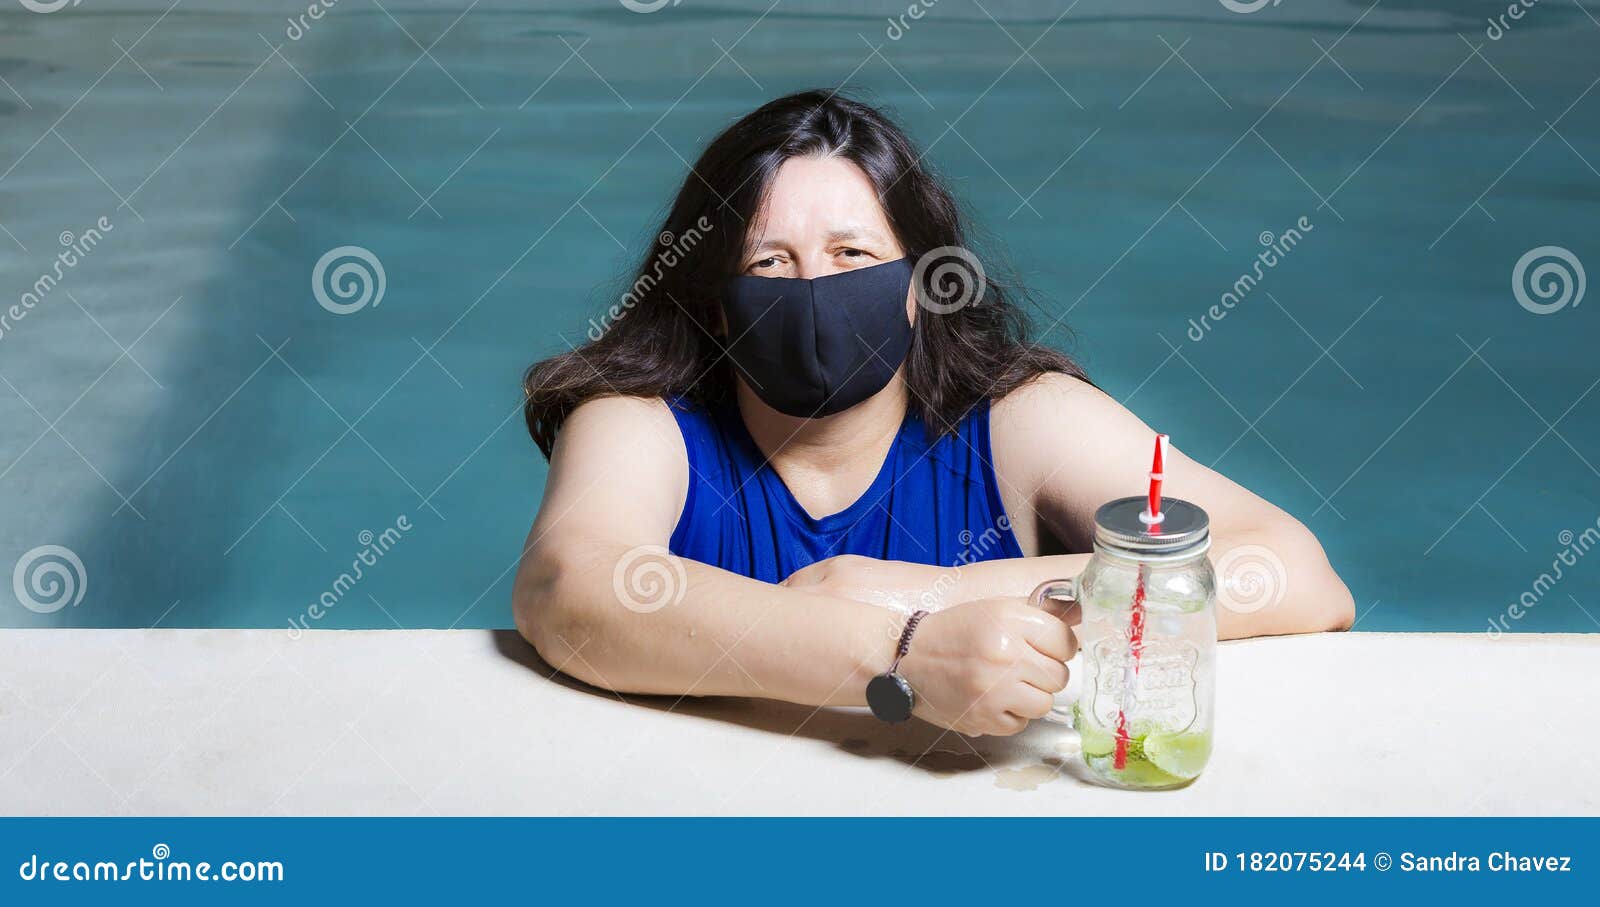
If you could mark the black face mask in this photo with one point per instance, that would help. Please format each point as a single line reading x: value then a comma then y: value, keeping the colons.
x: 812, y: 348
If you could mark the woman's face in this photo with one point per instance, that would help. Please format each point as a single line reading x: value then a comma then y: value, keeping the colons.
x: 821, y: 217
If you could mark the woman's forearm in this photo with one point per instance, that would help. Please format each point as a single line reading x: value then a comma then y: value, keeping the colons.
x: 1276, y: 582
x: 907, y: 587
x: 1015, y: 576
x: 714, y: 633
x: 1269, y: 582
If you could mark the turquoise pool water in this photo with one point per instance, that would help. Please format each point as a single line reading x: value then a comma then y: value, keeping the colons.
x: 210, y: 443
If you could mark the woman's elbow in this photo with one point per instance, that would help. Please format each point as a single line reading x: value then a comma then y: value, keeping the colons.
x: 1335, y: 608
x: 1328, y: 606
x: 1282, y: 583
x: 538, y: 625
x: 1321, y: 606
x: 549, y: 618
x: 1338, y: 612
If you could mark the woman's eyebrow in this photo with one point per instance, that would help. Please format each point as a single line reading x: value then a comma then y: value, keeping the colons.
x: 841, y: 235
x: 851, y: 233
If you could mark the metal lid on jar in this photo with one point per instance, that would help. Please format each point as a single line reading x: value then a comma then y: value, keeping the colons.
x: 1120, y: 527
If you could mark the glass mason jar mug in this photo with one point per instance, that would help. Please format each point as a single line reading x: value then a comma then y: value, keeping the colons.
x: 1148, y: 642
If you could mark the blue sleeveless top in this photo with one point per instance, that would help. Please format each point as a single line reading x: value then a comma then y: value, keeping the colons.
x: 934, y: 501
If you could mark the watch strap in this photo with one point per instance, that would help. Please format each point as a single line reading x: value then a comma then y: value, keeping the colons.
x: 889, y: 695
x: 905, y: 639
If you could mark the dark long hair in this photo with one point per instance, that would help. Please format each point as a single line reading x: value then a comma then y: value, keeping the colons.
x: 664, y: 337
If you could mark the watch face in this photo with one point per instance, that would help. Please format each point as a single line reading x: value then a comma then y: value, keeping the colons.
x: 889, y: 697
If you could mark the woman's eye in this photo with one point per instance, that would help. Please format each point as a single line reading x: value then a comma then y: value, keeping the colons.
x: 763, y: 264
x: 853, y: 253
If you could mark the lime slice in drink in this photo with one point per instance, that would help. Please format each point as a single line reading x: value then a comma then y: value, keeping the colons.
x: 1141, y: 773
x: 1179, y: 755
x: 1096, y: 740
x: 1136, y: 748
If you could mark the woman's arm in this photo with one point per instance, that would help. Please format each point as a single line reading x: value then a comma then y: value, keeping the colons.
x: 1063, y: 448
x: 1071, y: 448
x: 600, y: 598
x: 907, y: 586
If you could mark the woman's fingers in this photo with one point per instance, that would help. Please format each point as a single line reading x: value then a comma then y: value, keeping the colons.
x: 1052, y: 637
x: 1043, y: 672
x: 1009, y: 723
x: 1028, y: 701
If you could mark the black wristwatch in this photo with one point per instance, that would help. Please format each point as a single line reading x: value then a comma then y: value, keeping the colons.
x: 889, y: 695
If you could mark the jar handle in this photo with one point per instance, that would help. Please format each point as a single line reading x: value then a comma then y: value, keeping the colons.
x: 1063, y: 589
x: 1054, y: 588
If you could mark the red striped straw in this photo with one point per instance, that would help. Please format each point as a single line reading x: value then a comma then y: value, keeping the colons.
x: 1152, y: 520
x: 1157, y: 474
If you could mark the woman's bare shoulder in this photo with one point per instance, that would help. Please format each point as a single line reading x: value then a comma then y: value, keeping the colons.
x: 618, y: 462
x: 1053, y: 398
x: 1065, y: 434
x: 615, y: 413
x: 633, y: 437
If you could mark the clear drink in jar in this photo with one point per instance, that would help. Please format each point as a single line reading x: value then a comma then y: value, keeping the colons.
x: 1147, y: 708
x: 1166, y: 718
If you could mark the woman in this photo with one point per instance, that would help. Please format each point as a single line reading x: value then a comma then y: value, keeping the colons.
x: 801, y: 426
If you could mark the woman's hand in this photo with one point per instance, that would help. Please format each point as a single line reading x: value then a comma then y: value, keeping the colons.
x: 893, y: 584
x: 990, y: 666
